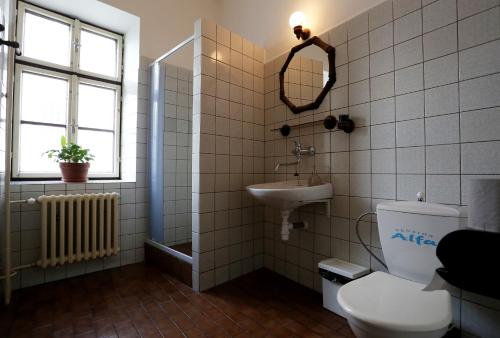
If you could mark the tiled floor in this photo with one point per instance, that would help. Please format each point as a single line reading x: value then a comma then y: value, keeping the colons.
x: 185, y: 248
x: 140, y: 301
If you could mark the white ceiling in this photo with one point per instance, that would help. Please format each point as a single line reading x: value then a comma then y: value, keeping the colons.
x: 266, y: 21
x: 92, y: 11
x: 165, y: 23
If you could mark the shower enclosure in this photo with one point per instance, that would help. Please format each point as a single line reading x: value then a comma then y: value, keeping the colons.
x: 169, y: 152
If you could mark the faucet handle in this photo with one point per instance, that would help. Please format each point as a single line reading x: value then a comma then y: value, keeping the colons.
x: 298, y: 147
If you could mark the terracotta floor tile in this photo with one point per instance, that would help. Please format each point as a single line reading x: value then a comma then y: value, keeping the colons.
x: 90, y: 334
x: 122, y: 325
x: 309, y: 335
x: 141, y: 301
x: 66, y: 332
x: 171, y: 333
x: 346, y: 331
x: 128, y: 333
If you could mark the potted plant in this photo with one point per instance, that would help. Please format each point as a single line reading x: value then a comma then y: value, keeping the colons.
x: 73, y: 161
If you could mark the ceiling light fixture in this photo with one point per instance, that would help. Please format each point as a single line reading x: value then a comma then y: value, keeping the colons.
x: 297, y: 21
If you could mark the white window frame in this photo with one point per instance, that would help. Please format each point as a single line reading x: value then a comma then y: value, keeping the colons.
x: 76, y: 27
x: 73, y: 128
x: 71, y: 121
x: 75, y: 76
x: 21, y: 14
x: 16, y: 130
x: 119, y: 47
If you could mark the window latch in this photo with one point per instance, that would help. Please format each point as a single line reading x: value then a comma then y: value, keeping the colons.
x: 13, y: 44
x: 77, y: 45
x: 73, y: 126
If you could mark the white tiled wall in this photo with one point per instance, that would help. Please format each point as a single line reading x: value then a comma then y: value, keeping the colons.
x: 421, y: 81
x: 178, y: 151
x: 228, y: 154
x: 133, y: 218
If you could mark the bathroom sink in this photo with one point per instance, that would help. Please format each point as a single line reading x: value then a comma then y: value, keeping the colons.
x: 288, y: 195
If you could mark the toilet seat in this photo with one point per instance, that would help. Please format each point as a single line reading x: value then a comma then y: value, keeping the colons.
x: 384, y: 301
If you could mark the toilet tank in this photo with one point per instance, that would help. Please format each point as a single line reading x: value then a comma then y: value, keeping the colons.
x: 409, y: 234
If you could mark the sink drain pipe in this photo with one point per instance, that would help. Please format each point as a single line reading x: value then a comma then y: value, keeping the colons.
x: 286, y: 226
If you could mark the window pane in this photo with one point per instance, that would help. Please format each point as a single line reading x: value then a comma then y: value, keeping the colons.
x: 101, y: 145
x: 98, y: 53
x: 35, y: 140
x: 96, y: 107
x: 46, y: 39
x: 43, y: 98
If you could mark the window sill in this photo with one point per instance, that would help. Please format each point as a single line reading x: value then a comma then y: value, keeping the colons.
x: 28, y: 182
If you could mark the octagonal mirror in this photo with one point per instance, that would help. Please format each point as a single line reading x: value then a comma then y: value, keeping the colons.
x: 307, y: 75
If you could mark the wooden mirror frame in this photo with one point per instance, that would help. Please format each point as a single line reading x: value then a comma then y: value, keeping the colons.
x: 332, y: 77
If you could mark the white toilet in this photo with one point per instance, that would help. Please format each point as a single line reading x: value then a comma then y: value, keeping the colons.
x: 383, y: 305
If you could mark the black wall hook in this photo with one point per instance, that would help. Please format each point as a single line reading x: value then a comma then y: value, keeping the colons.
x: 285, y: 130
x: 330, y: 122
x: 345, y: 123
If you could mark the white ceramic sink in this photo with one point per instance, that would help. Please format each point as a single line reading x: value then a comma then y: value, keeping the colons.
x: 288, y: 195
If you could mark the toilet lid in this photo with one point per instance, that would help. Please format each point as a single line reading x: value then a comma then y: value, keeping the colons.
x: 395, y: 303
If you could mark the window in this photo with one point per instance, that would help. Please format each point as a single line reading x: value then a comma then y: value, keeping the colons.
x: 67, y: 82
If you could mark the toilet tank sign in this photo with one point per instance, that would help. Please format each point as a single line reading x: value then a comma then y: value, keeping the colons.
x: 415, y: 237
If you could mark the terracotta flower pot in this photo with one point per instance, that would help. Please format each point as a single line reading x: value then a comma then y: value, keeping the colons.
x: 74, y: 172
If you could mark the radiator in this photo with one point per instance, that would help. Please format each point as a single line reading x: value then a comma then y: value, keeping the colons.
x: 77, y: 228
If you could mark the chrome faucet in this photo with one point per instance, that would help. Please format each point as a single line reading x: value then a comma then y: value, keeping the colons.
x: 298, y: 151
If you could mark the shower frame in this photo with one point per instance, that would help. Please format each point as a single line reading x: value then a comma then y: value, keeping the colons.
x: 155, y: 153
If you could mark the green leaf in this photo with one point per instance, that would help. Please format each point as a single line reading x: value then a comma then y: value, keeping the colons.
x: 69, y: 153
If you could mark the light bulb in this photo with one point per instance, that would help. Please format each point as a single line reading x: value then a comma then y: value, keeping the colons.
x: 296, y: 19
